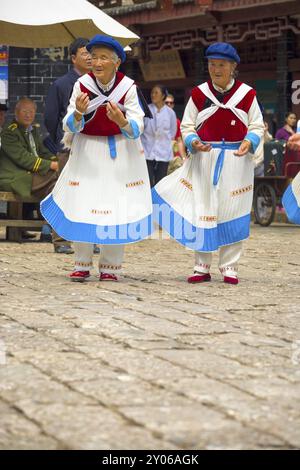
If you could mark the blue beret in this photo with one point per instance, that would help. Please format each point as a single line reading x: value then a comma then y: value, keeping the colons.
x: 222, y: 50
x: 107, y: 41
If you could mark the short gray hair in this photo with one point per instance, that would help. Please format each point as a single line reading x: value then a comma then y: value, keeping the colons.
x: 25, y: 99
x: 115, y: 57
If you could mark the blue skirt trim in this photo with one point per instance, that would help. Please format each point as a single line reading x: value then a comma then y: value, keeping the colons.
x: 90, y: 233
x: 291, y: 206
x: 196, y: 238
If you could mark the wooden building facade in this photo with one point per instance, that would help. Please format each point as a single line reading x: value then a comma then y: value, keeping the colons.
x: 175, y: 33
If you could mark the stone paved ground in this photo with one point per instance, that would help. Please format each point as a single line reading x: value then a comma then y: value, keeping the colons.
x: 151, y: 362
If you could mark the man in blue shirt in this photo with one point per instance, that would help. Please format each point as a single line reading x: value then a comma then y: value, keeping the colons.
x: 57, y: 102
x: 60, y: 91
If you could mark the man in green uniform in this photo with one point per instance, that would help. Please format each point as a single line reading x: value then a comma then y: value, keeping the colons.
x: 27, y: 167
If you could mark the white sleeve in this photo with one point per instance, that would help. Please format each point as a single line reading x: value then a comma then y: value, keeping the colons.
x: 189, y: 119
x: 256, y: 125
x: 258, y: 156
x: 188, y: 124
x: 134, y: 115
x: 70, y: 124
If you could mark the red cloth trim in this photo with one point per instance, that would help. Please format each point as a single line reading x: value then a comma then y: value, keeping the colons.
x: 178, y: 132
x: 198, y: 98
x: 223, y: 124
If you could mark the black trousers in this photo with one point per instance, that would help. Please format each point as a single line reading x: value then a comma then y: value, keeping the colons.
x: 157, y: 171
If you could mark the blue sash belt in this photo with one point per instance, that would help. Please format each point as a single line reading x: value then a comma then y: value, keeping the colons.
x: 220, y: 162
x: 112, y: 146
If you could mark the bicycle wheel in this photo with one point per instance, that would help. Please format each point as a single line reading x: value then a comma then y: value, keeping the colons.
x: 264, y: 203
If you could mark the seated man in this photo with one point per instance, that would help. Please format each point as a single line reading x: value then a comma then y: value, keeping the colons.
x: 27, y: 168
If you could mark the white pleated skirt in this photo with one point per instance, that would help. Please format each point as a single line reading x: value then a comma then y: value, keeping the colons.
x: 100, y: 199
x: 207, y: 202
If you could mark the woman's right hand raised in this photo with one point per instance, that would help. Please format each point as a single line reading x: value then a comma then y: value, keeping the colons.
x: 200, y: 147
x: 82, y: 102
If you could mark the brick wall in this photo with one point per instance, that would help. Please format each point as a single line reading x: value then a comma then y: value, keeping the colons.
x: 31, y: 72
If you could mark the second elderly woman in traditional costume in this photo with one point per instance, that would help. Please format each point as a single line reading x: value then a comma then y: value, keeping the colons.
x: 206, y: 204
x: 103, y: 194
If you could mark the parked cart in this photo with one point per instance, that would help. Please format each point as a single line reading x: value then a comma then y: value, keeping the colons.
x: 281, y: 165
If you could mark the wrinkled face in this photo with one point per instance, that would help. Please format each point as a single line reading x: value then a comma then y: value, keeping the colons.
x: 221, y: 71
x: 25, y: 113
x: 2, y: 118
x: 291, y: 120
x: 104, y: 63
x: 157, y: 96
x: 82, y: 60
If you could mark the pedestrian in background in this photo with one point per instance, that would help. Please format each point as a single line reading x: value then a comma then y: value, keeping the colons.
x: 56, y: 106
x: 289, y: 128
x: 158, y: 135
x: 178, y: 147
x: 60, y: 91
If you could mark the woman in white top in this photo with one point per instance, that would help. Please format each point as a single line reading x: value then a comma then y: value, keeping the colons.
x: 158, y: 135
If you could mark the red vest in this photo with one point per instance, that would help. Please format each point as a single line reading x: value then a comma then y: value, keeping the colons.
x: 223, y: 124
x: 97, y: 123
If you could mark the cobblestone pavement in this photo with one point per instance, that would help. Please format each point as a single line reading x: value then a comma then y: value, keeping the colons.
x: 151, y: 362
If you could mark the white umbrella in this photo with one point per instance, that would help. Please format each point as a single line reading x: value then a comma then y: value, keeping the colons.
x: 49, y: 23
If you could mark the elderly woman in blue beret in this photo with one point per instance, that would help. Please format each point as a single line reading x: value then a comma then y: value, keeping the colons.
x: 103, y: 195
x: 206, y: 204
